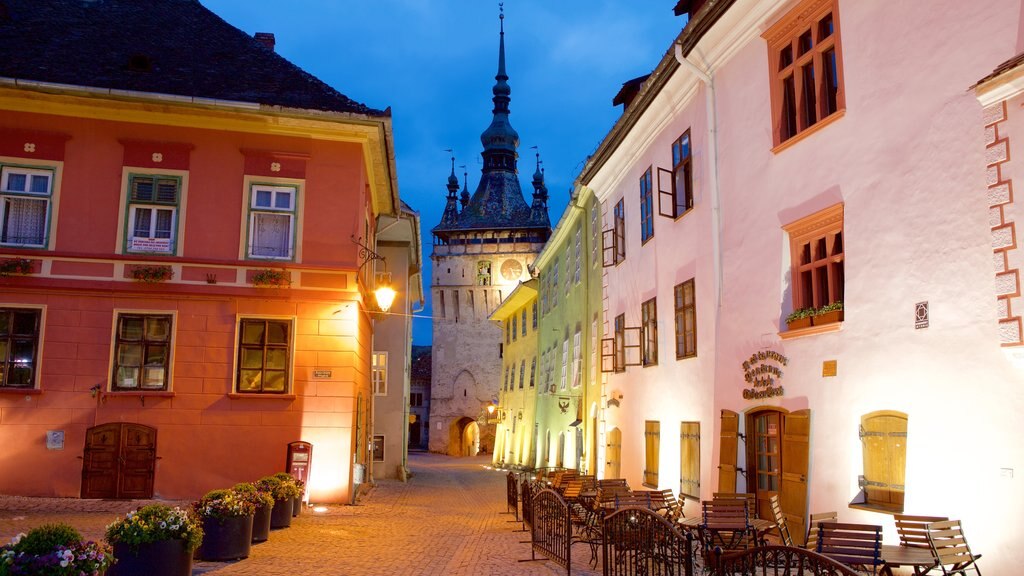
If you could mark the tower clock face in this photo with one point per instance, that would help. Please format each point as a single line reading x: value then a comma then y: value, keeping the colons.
x: 511, y: 270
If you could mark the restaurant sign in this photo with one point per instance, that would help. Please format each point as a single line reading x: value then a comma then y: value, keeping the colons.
x: 763, y: 372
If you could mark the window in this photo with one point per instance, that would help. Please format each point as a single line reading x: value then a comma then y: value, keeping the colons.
x: 515, y: 331
x: 595, y: 213
x: 686, y: 320
x: 272, y: 221
x: 682, y: 176
x: 593, y: 351
x: 579, y: 254
x: 142, y: 352
x: 533, y: 370
x: 378, y: 447
x: 416, y: 399
x: 565, y: 363
x: 19, y: 347
x: 649, y: 327
x: 522, y: 374
x: 504, y: 384
x: 883, y: 435
x: 444, y: 313
x: 554, y: 285
x: 576, y: 372
x: 25, y: 195
x: 380, y: 373
x: 264, y: 352
x: 152, y: 217
x: 523, y: 322
x: 652, y: 445
x: 472, y: 304
x: 620, y: 343
x: 568, y: 268
x: 508, y: 332
x: 620, y: 231
x: 455, y: 304
x: 534, y: 322
x: 646, y: 207
x: 483, y: 273
x: 689, y: 460
x: 806, y: 68
x: 816, y: 244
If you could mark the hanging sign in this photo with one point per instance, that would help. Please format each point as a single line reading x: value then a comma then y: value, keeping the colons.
x: 763, y: 372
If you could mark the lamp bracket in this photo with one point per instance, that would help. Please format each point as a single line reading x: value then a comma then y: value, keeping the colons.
x: 366, y: 254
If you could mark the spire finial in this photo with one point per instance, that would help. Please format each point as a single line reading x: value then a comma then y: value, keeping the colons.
x: 501, y: 48
x: 449, y: 151
x: 453, y: 180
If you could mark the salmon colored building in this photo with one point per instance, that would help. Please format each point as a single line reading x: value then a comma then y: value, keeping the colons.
x: 181, y: 295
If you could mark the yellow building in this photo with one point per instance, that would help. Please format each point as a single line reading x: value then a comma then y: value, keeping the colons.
x: 514, y: 440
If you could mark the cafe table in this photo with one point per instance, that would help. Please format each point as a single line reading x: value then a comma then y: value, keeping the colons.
x: 894, y: 556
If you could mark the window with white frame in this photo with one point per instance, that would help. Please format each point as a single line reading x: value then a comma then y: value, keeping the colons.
x: 554, y: 285
x: 380, y: 373
x: 568, y: 268
x: 152, y: 214
x: 579, y: 253
x: 142, y: 352
x: 595, y: 211
x: 522, y: 373
x: 533, y: 371
x: 264, y: 355
x: 576, y: 372
x: 523, y: 322
x: 272, y: 221
x: 25, y: 195
x: 565, y: 363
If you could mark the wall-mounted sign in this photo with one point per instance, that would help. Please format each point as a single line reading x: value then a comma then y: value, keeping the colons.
x: 829, y: 368
x: 54, y: 439
x: 921, y: 315
x: 321, y: 374
x: 763, y: 372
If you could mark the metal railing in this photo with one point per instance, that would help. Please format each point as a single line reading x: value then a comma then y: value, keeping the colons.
x: 639, y: 542
x: 774, y: 561
x: 512, y: 493
x: 551, y: 529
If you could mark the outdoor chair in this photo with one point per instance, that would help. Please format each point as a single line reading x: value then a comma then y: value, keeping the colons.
x: 811, y: 543
x: 726, y: 525
x: 780, y: 521
x: 914, y: 534
x: 858, y: 546
x: 950, y: 548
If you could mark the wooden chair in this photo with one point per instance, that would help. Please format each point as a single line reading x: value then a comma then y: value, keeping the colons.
x: 726, y: 525
x: 780, y: 521
x: 914, y: 534
x: 666, y: 504
x: 811, y: 543
x: 952, y: 554
x: 858, y: 546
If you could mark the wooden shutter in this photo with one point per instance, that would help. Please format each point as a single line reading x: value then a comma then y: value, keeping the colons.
x: 652, y: 441
x: 614, y: 454
x: 796, y: 436
x: 689, y: 459
x: 884, y: 436
x: 727, y: 451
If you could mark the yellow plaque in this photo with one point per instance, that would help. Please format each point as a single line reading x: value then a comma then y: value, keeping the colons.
x: 828, y: 368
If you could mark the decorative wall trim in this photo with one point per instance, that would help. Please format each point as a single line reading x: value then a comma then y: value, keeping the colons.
x: 1004, y: 231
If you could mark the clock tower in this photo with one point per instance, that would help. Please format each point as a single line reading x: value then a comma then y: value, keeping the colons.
x: 482, y: 250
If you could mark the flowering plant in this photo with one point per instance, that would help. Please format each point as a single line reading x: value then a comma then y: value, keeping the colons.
x: 252, y: 493
x: 280, y: 488
x: 144, y: 273
x: 271, y: 277
x: 224, y: 504
x: 155, y: 523
x: 54, y: 550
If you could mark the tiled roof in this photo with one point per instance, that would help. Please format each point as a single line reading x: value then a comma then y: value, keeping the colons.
x: 1003, y: 68
x: 159, y: 46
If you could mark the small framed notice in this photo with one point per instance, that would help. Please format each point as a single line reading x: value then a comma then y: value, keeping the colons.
x: 54, y: 439
x: 321, y: 374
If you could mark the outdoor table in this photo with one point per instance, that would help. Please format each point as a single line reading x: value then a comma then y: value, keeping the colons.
x: 894, y: 556
x: 760, y: 526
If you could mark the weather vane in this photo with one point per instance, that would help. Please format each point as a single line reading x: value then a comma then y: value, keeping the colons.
x: 449, y: 150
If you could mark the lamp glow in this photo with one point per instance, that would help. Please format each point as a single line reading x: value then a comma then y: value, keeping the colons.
x: 385, y: 295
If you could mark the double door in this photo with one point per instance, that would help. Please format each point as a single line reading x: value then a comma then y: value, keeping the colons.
x: 119, y: 461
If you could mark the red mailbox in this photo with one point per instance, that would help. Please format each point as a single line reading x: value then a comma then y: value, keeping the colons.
x: 300, y: 456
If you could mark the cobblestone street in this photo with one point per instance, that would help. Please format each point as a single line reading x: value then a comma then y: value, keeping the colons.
x: 446, y: 520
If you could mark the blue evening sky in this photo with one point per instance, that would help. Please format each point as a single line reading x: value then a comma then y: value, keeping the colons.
x: 433, y: 62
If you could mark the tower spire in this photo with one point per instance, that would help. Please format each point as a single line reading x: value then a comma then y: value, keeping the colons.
x: 500, y: 140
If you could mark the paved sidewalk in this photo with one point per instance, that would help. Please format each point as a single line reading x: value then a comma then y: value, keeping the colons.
x: 446, y: 520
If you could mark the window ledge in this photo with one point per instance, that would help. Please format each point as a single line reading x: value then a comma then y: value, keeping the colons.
x: 810, y: 331
x: 260, y: 396
x: 136, y: 393
x: 25, y: 391
x: 808, y: 131
x: 879, y: 508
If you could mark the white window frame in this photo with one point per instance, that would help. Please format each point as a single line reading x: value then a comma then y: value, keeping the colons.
x: 290, y: 377
x: 7, y: 195
x: 576, y: 380
x: 37, y: 360
x: 579, y: 253
x: 151, y: 244
x: 254, y: 211
x: 565, y: 363
x: 379, y: 371
x: 115, y: 348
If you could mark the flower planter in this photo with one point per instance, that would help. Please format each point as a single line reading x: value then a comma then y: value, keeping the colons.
x: 281, y: 515
x: 828, y: 318
x: 296, y: 506
x: 261, y: 524
x: 163, y: 558
x: 799, y: 323
x: 226, y: 538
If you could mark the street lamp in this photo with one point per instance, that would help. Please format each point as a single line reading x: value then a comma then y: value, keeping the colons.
x: 384, y: 294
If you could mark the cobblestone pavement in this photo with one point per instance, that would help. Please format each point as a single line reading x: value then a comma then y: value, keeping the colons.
x: 446, y: 520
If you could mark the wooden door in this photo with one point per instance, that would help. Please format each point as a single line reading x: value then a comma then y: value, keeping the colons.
x: 764, y: 458
x: 614, y: 454
x: 119, y: 461
x: 727, y: 451
x: 796, y: 436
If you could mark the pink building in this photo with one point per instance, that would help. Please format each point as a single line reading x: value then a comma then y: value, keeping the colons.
x: 825, y: 155
x: 180, y: 293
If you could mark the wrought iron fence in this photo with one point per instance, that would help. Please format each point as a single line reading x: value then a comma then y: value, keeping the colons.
x: 551, y: 528
x: 775, y: 561
x: 639, y: 542
x: 526, y: 497
x: 512, y: 493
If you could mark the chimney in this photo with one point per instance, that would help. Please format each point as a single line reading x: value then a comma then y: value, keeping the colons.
x: 265, y: 38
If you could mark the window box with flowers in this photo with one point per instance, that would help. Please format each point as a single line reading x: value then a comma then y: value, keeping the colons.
x: 828, y: 314
x: 15, y: 267
x: 155, y: 540
x: 151, y: 274
x: 227, y: 518
x: 269, y: 278
x: 800, y: 318
x: 54, y: 550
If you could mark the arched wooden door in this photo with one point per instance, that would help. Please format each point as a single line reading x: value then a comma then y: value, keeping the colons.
x: 119, y: 461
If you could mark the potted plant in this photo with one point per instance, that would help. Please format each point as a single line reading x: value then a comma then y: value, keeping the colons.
x: 15, y: 266
x: 800, y: 318
x: 144, y: 273
x: 54, y: 550
x: 300, y: 487
x: 227, y: 519
x: 829, y: 314
x: 271, y: 278
x: 155, y: 540
x: 263, y: 503
x: 284, y: 493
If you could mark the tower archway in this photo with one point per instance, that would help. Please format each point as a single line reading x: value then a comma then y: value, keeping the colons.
x: 464, y: 437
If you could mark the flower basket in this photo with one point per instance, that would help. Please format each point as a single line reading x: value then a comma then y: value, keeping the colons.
x: 297, y: 502
x: 155, y: 540
x: 829, y: 314
x: 281, y: 514
x: 227, y: 518
x: 799, y: 319
x: 15, y: 267
x: 284, y: 492
x: 269, y: 278
x: 54, y: 550
x: 151, y: 274
x: 264, y: 503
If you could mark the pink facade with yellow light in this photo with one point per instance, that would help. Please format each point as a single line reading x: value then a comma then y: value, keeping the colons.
x: 181, y: 294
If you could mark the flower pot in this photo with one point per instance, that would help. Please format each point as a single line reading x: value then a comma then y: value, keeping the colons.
x: 296, y: 506
x: 281, y: 515
x: 261, y: 524
x: 226, y: 538
x: 798, y: 323
x: 163, y: 558
x: 828, y: 318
